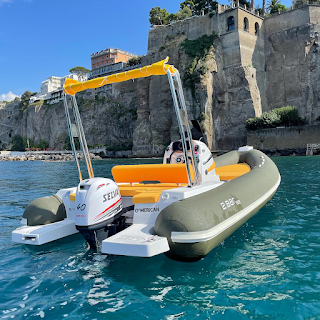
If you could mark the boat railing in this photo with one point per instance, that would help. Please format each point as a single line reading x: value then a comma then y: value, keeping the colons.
x: 75, y: 127
x: 311, y: 147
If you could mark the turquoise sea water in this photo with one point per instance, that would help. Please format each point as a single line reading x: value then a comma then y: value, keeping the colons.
x: 268, y: 269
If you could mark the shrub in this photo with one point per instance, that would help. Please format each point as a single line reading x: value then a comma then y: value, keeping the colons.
x: 17, y: 143
x: 67, y: 143
x: 289, y: 116
x: 254, y: 123
x: 270, y: 119
x: 135, y: 60
x: 43, y: 144
x: 125, y: 145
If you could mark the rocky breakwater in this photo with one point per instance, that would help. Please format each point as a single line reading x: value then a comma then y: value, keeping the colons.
x: 44, y: 157
x: 285, y: 152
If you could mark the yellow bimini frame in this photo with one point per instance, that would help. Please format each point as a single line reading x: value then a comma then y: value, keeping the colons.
x: 71, y: 87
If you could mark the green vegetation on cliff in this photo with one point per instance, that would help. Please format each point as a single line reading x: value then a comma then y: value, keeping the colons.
x: 196, y: 50
x: 123, y: 145
x: 286, y: 116
x: 67, y: 143
x: 19, y: 143
x: 275, y: 6
x: 135, y: 60
x: 188, y: 8
x: 24, y: 103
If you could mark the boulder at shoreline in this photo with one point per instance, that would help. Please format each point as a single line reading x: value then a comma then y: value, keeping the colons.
x: 44, y: 157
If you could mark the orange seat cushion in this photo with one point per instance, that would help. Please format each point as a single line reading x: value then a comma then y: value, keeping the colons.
x: 165, y: 173
x: 130, y: 191
x: 232, y: 171
x: 147, y: 197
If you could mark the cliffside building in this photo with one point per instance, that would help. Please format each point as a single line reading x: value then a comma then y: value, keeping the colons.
x: 108, y: 61
x: 50, y: 84
x: 6, y: 110
x: 51, y: 89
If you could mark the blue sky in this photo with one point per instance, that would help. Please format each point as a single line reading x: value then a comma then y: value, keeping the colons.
x: 42, y: 38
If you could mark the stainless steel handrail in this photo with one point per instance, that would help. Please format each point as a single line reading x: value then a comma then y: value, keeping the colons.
x: 82, y: 138
x: 183, y: 138
x: 71, y: 136
x: 177, y: 78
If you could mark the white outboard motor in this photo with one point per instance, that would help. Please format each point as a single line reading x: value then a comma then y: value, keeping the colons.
x: 98, y: 209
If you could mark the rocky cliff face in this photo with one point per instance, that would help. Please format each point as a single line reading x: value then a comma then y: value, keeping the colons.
x: 293, y: 69
x: 220, y: 99
x: 107, y: 121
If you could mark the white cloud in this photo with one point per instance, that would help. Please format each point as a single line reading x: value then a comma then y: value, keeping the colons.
x: 11, y: 1
x: 7, y: 96
x: 5, y: 1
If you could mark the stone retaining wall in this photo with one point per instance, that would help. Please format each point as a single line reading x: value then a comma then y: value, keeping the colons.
x: 284, y: 138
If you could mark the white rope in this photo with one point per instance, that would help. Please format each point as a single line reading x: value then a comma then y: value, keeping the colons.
x: 104, y: 79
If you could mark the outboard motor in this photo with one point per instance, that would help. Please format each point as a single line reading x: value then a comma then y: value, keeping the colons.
x: 98, y: 209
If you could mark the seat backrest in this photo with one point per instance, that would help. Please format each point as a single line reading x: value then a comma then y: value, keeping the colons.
x: 164, y: 173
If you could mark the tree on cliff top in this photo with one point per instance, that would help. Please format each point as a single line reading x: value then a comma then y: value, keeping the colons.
x: 81, y: 72
x: 184, y: 13
x: 135, y: 60
x: 158, y: 16
x: 204, y: 6
x: 275, y: 6
x: 25, y: 100
x: 187, y: 3
x: 188, y: 8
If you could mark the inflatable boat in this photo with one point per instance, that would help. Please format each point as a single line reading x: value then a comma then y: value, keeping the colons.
x: 183, y: 208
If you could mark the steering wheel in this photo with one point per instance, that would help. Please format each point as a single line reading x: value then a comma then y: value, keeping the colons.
x: 177, y: 157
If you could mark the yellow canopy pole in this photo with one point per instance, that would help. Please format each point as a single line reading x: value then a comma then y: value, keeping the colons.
x: 71, y: 87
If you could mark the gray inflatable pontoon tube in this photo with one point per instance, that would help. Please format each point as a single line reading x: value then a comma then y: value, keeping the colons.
x: 196, y: 225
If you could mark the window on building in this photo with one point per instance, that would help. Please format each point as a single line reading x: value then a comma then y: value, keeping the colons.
x: 230, y: 23
x: 246, y: 24
x: 256, y: 28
